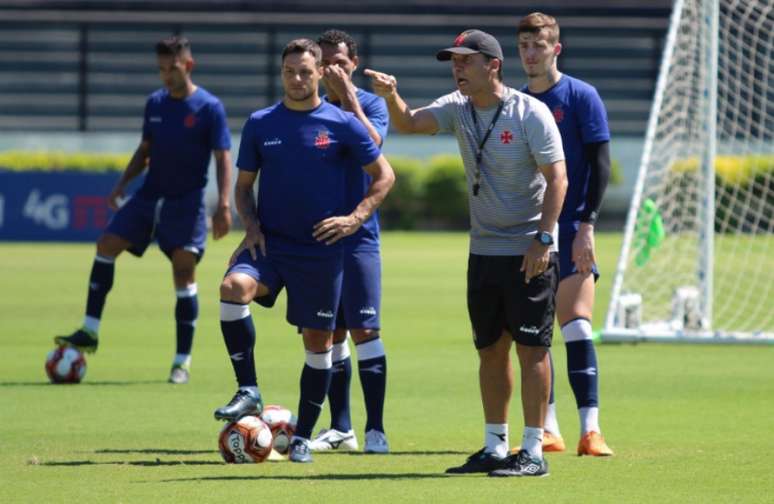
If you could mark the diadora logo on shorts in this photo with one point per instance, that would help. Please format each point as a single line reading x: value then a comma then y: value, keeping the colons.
x: 272, y: 142
x: 368, y: 310
x: 322, y: 140
x: 325, y: 313
x: 154, y: 119
x: 529, y: 330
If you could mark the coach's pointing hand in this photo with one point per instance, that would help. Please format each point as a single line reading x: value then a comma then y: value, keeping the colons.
x: 383, y: 84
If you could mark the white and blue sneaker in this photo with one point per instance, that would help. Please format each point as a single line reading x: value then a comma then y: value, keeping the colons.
x: 299, y: 450
x: 332, y: 439
x: 376, y: 442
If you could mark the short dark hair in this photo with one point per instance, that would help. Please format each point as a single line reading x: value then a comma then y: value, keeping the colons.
x: 336, y: 37
x: 302, y: 45
x: 174, y: 45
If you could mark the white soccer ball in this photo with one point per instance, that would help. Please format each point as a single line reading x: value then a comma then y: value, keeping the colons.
x: 282, y: 423
x: 246, y: 441
x: 65, y: 365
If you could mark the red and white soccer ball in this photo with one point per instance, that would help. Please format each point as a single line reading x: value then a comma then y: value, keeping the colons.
x: 65, y: 365
x: 282, y: 424
x: 246, y: 441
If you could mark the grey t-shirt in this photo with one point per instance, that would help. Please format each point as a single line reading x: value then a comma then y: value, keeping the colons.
x: 504, y: 217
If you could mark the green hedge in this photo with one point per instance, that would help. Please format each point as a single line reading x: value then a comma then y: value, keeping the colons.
x: 61, y: 161
x: 428, y: 194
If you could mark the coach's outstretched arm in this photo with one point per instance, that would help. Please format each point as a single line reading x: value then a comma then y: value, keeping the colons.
x: 402, y: 117
x: 333, y: 229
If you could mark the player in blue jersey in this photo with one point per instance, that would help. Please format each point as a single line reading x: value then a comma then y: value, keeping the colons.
x: 301, y: 151
x: 183, y: 125
x: 582, y: 121
x: 361, y: 288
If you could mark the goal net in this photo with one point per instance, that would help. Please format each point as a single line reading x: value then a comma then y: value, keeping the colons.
x: 697, y: 262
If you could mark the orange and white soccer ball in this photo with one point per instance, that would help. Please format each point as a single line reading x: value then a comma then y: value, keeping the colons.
x: 282, y: 424
x: 65, y: 365
x: 246, y: 441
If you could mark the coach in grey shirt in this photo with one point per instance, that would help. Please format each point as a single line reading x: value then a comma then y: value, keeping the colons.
x: 514, y: 164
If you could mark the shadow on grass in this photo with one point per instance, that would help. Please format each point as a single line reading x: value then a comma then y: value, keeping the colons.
x: 157, y: 451
x: 84, y: 384
x: 319, y: 477
x: 142, y: 463
x: 393, y: 453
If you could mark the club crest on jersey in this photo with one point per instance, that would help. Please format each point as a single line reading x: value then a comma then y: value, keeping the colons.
x: 558, y: 114
x: 322, y: 140
x: 506, y: 137
x: 189, y: 121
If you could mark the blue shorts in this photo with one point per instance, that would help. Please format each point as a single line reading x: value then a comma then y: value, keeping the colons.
x: 176, y: 223
x: 567, y: 232
x: 361, y: 293
x: 313, y: 285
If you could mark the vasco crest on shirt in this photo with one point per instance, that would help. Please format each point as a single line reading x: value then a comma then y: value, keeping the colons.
x: 322, y: 140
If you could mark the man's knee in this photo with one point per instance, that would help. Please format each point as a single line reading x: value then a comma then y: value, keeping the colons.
x: 498, y: 352
x: 362, y: 335
x: 183, y: 267
x: 240, y: 289
x: 110, y: 245
x: 317, y: 340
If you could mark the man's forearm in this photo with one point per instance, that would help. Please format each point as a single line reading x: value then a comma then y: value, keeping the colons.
x: 135, y: 167
x: 245, y: 203
x: 351, y: 104
x: 553, y: 199
x: 377, y: 191
x: 223, y: 178
x: 400, y: 114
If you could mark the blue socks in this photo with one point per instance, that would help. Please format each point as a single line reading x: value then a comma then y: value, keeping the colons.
x: 239, y: 336
x: 581, y: 362
x: 315, y: 380
x: 338, y: 392
x: 372, y: 367
x: 186, y: 313
x: 100, y: 283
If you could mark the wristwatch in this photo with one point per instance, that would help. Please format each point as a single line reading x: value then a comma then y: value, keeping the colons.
x: 545, y: 238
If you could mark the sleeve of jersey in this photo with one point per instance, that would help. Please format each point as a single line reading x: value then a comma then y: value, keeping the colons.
x: 220, y: 137
x: 146, y: 131
x: 249, y: 155
x: 593, y: 118
x: 443, y: 110
x: 363, y: 146
x: 543, y: 137
x: 379, y: 117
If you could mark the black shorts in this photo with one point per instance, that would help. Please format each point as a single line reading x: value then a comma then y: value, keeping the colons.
x: 498, y: 299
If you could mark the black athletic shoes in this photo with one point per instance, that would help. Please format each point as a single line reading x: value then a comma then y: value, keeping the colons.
x: 242, y: 404
x: 480, y: 462
x: 82, y: 339
x: 521, y: 464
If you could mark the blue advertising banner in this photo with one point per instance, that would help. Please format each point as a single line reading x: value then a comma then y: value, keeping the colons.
x: 54, y: 206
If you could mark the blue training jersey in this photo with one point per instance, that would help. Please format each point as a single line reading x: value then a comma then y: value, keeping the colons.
x: 302, y: 159
x: 582, y: 119
x: 182, y: 134
x: 358, y: 181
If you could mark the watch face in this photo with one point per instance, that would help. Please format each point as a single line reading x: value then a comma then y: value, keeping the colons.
x: 546, y: 239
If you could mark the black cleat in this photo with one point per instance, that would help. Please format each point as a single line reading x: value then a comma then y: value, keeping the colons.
x: 242, y: 404
x: 480, y: 462
x: 522, y: 464
x: 82, y: 339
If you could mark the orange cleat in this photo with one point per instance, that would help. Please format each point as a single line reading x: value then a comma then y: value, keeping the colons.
x: 592, y: 443
x: 551, y: 443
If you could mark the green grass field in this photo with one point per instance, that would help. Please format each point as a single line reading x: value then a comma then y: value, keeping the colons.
x: 688, y: 423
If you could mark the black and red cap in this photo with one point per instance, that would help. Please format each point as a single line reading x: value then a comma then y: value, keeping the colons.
x: 471, y: 42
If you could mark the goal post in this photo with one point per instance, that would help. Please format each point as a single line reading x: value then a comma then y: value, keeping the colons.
x: 697, y: 260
